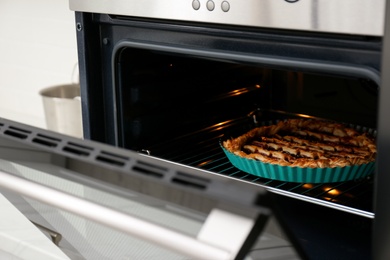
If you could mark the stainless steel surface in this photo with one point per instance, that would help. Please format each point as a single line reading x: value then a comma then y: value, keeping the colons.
x: 62, y: 107
x: 360, y: 17
x: 381, y: 234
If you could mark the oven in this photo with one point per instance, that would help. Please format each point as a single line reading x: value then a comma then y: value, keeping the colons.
x: 171, y: 79
x: 162, y: 83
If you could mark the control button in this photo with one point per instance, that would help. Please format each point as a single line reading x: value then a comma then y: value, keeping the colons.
x: 210, y: 5
x: 225, y: 6
x: 196, y: 4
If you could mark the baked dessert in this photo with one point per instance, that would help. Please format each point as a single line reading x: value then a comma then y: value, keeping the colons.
x: 305, y: 143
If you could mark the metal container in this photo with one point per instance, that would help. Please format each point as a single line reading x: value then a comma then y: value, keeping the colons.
x: 62, y: 106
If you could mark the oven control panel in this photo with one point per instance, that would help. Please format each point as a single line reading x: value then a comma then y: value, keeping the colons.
x: 358, y: 17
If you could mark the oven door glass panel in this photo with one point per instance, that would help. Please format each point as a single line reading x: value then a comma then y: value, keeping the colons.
x: 80, y: 237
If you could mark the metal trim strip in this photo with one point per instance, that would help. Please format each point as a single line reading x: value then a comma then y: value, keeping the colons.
x: 360, y: 17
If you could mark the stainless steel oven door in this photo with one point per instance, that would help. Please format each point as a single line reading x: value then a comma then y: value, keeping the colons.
x: 65, y: 198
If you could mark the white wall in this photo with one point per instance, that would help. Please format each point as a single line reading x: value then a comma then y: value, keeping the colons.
x: 37, y: 50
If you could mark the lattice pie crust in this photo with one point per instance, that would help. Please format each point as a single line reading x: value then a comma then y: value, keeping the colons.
x: 305, y: 143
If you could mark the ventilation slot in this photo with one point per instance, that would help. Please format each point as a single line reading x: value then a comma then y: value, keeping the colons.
x: 75, y: 151
x: 148, y: 165
x: 109, y: 160
x: 115, y: 155
x: 49, y: 137
x: 17, y: 132
x: 44, y: 142
x: 188, y: 183
x: 192, y: 177
x: 148, y: 169
x: 81, y: 146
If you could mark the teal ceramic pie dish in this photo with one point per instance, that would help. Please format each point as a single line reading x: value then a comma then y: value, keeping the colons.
x: 298, y: 174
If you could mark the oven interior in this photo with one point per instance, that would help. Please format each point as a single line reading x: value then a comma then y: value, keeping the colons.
x: 177, y: 106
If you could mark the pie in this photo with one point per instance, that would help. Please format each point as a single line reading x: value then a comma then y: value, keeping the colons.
x: 306, y: 143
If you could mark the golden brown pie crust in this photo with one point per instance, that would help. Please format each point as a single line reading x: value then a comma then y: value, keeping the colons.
x: 305, y: 143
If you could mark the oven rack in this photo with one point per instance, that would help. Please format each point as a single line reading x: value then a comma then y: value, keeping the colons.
x: 201, y: 149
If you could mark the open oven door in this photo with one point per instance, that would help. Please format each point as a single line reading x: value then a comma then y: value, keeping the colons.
x: 94, y: 201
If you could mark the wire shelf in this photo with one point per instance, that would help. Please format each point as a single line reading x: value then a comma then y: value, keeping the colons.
x: 201, y: 149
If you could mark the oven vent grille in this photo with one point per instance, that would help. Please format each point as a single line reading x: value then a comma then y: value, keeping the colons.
x: 46, y: 140
x: 17, y: 132
x: 149, y: 169
x: 90, y: 157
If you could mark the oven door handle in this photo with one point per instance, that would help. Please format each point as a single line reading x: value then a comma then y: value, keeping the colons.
x: 215, y: 240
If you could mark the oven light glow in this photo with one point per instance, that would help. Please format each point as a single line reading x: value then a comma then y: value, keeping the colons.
x: 331, y: 191
x: 204, y: 163
x: 330, y: 199
x: 307, y: 186
x: 303, y: 115
x: 334, y: 192
x: 219, y: 126
x: 239, y: 91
